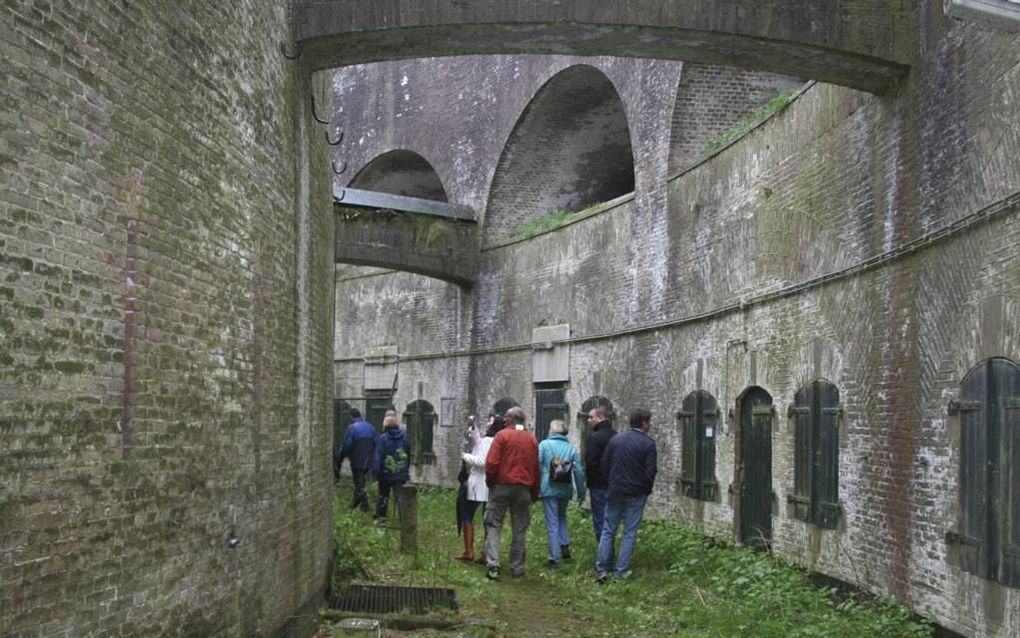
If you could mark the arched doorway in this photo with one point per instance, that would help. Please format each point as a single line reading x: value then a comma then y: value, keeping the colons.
x: 754, y: 468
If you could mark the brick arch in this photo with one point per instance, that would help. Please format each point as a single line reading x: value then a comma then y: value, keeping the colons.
x: 863, y: 44
x: 570, y: 148
x: 401, y: 172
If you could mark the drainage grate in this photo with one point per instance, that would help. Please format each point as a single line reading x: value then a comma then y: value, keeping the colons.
x: 372, y: 599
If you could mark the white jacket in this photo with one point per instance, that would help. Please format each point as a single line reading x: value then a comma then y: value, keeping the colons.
x: 477, y: 490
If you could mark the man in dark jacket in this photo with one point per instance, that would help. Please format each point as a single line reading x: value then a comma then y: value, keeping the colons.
x: 391, y: 466
x: 630, y: 462
x: 601, y: 431
x: 359, y: 447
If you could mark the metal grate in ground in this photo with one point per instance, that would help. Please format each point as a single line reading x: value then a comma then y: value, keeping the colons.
x: 379, y: 599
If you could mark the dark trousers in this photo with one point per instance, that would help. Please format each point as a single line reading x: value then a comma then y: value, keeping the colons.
x: 382, y: 501
x: 360, y: 496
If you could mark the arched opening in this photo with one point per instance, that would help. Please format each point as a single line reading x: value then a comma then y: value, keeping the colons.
x: 401, y: 172
x: 569, y: 150
x: 501, y: 406
x: 753, y: 474
x: 583, y: 427
x: 420, y: 421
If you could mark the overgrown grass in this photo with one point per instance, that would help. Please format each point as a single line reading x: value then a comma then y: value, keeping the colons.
x: 743, y: 126
x: 551, y: 221
x: 684, y: 583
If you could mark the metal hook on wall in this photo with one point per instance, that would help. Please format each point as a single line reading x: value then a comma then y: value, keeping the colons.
x: 343, y: 194
x: 297, y: 51
x: 314, y: 114
x: 340, y: 172
x: 338, y: 140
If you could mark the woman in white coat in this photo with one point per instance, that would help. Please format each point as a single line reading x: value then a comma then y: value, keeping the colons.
x: 477, y: 490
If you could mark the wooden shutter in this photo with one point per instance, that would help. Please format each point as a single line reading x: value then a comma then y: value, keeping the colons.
x: 974, y: 472
x: 1006, y: 469
x: 803, y: 445
x: 420, y: 418
x: 825, y: 489
x: 689, y: 445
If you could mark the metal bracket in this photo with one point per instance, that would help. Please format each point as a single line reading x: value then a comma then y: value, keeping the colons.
x: 314, y: 114
x: 298, y: 50
x: 338, y: 140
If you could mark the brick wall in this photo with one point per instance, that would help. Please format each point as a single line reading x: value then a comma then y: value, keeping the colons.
x: 813, y: 248
x: 159, y: 391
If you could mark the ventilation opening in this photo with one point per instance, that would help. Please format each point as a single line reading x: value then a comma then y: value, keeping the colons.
x: 380, y: 599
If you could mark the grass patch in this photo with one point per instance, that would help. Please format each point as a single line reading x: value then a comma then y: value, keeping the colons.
x: 551, y: 221
x: 684, y: 584
x: 742, y: 127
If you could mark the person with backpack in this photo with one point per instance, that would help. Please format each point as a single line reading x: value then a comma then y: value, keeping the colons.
x: 559, y: 464
x: 391, y: 466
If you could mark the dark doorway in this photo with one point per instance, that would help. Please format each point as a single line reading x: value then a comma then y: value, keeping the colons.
x: 341, y: 419
x: 754, y: 468
x: 550, y: 404
x: 376, y: 406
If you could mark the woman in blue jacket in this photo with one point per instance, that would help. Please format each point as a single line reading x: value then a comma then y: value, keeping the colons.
x: 558, y: 487
x: 391, y: 465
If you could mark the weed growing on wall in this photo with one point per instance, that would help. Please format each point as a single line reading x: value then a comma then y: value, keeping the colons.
x: 551, y: 221
x: 745, y: 125
x: 684, y: 583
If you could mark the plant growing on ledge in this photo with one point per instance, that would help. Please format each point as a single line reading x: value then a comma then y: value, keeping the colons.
x: 745, y: 125
x: 551, y: 221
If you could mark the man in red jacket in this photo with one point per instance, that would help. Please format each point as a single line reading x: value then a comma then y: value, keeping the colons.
x: 511, y: 472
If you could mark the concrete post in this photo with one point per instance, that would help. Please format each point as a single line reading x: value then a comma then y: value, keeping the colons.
x: 409, y: 520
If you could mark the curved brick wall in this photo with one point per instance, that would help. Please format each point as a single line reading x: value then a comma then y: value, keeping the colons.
x: 159, y: 391
x: 870, y: 241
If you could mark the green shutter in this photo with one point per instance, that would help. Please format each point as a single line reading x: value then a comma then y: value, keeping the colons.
x: 826, y: 479
x: 973, y: 472
x: 803, y: 444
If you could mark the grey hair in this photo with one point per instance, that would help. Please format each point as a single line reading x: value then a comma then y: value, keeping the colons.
x: 559, y: 427
x: 517, y: 414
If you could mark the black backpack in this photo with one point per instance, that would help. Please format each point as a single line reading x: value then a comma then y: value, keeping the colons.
x: 561, y: 470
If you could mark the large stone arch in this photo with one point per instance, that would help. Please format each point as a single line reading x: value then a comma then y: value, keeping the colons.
x: 571, y: 148
x: 864, y: 44
x: 401, y: 172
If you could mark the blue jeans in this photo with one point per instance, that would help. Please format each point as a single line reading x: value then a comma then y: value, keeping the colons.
x: 556, y: 525
x: 629, y: 510
x: 598, y: 509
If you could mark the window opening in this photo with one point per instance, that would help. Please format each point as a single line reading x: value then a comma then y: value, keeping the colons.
x: 420, y: 419
x: 816, y: 415
x: 989, y: 410
x: 697, y: 421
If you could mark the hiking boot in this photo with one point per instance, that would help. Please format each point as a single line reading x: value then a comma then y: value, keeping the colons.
x: 493, y: 573
x: 622, y: 576
x: 552, y: 564
x: 565, y: 551
x: 601, y: 579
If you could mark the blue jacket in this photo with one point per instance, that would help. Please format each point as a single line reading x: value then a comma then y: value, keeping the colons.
x: 556, y: 446
x: 392, y: 444
x: 359, y: 446
x: 630, y: 462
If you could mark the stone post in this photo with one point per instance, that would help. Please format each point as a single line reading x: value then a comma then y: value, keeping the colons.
x: 409, y: 520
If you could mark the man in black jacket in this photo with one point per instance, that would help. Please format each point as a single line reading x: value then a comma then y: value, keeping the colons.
x: 601, y: 431
x: 629, y: 462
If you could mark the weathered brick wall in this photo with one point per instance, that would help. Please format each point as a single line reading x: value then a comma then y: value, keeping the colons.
x: 814, y: 248
x: 710, y: 99
x: 165, y: 323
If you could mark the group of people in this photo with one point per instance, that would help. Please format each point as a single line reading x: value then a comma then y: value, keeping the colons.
x: 507, y: 469
x: 387, y: 456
